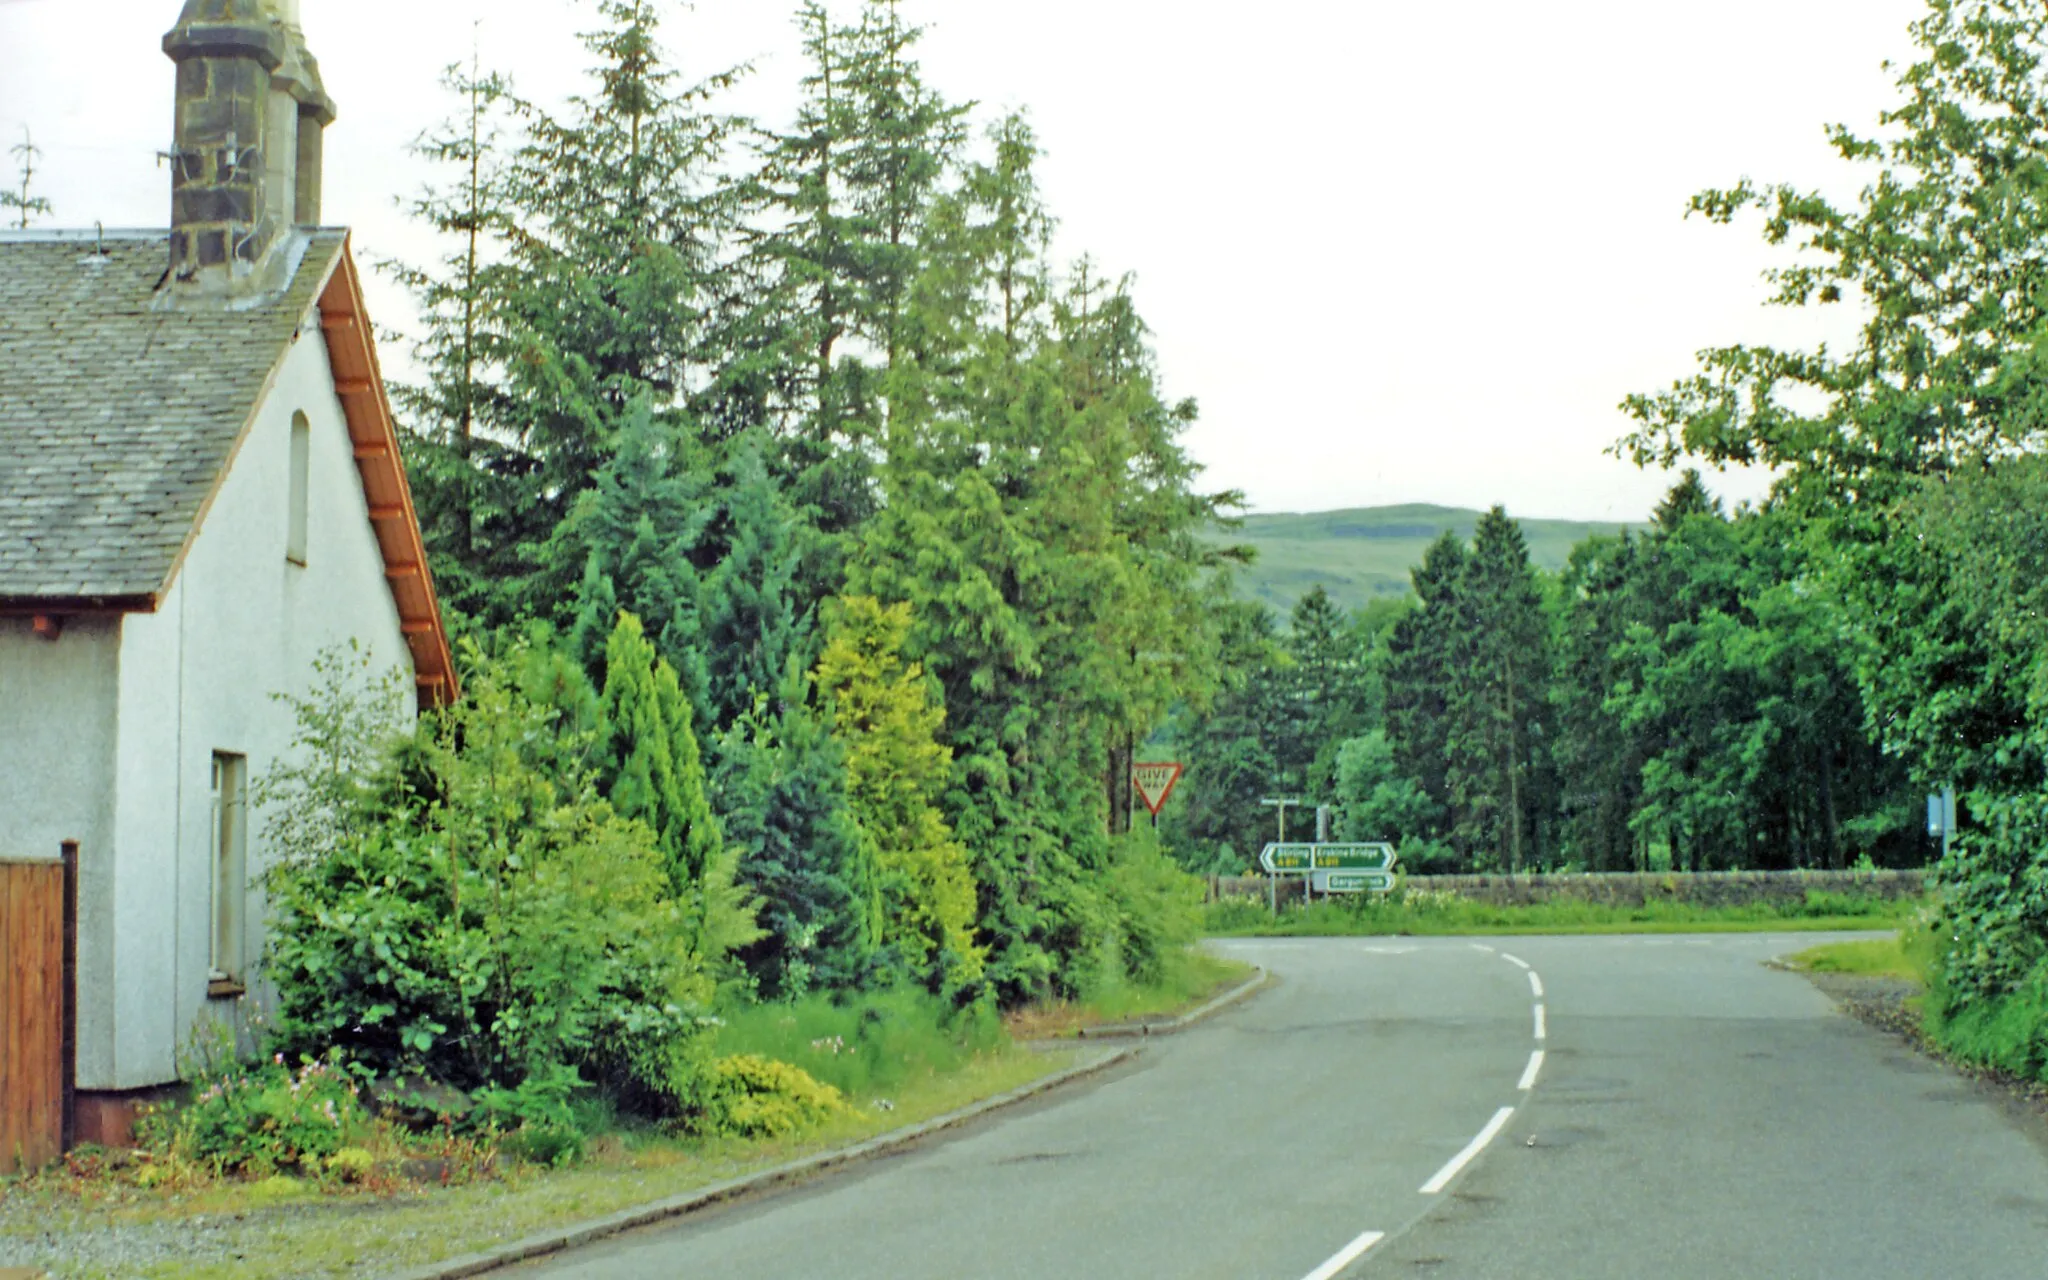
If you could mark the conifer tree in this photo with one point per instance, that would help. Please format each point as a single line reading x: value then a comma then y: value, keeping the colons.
x: 650, y: 762
x: 1498, y: 692
x: 1421, y: 653
x: 640, y: 528
x: 781, y: 781
x: 897, y: 769
x: 1328, y: 684
x: 462, y: 467
x: 651, y: 754
x: 1040, y: 522
x: 598, y: 288
x: 752, y: 621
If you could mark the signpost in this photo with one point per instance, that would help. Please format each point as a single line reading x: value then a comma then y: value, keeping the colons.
x: 1941, y: 817
x: 1334, y: 868
x: 1272, y: 885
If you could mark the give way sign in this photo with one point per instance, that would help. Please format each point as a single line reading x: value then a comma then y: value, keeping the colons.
x: 1154, y: 782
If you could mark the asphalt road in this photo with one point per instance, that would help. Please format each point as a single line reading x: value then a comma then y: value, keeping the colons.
x: 1381, y: 1113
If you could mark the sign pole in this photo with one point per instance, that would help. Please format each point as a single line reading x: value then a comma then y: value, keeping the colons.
x: 1272, y: 881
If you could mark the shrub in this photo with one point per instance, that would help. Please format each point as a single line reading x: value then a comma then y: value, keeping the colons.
x: 258, y: 1119
x: 538, y: 1116
x: 476, y: 912
x: 748, y: 1096
x: 1159, y: 906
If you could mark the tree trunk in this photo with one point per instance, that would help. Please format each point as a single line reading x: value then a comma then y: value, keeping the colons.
x: 1831, y: 831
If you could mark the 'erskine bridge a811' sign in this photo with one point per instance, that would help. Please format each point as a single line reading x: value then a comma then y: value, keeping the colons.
x: 1334, y: 868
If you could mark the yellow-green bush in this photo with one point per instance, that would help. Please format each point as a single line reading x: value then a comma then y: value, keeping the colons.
x: 748, y: 1096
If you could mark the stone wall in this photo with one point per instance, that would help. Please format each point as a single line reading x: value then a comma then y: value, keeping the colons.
x: 1706, y: 888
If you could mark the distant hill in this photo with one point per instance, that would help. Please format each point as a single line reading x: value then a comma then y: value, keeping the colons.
x: 1367, y: 552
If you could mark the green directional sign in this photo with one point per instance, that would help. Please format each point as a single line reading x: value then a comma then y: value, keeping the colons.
x: 1279, y: 858
x: 1354, y: 881
x: 1282, y: 858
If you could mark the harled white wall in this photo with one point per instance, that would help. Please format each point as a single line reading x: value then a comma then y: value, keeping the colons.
x: 57, y: 709
x: 240, y: 624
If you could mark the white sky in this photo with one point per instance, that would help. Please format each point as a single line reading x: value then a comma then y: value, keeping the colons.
x: 1407, y: 252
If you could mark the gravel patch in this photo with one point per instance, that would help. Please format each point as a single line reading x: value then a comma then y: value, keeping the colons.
x: 52, y: 1229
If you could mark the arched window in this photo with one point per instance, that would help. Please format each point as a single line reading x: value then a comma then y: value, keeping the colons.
x: 302, y: 462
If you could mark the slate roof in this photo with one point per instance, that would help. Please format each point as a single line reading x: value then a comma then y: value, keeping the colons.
x: 118, y: 415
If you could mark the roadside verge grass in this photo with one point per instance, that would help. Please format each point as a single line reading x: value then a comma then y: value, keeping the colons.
x: 1863, y: 957
x: 106, y: 1229
x: 1188, y: 978
x: 1436, y: 914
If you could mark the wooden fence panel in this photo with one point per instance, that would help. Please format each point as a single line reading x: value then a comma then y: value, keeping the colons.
x: 32, y: 1014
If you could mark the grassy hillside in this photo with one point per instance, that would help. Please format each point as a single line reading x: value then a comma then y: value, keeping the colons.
x: 1367, y: 552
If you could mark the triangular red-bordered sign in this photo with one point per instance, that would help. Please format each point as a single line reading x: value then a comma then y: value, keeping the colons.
x: 1154, y: 782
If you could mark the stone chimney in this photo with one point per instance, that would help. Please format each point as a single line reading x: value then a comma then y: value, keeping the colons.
x: 245, y: 165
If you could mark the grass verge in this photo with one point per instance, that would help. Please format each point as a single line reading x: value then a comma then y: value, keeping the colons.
x: 1428, y: 914
x: 244, y: 1231
x: 1864, y: 957
x: 1188, y: 978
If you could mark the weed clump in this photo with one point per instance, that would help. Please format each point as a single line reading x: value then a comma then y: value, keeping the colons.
x: 261, y: 1119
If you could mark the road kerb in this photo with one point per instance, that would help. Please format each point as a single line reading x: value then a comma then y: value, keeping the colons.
x: 1133, y: 1030
x: 562, y: 1239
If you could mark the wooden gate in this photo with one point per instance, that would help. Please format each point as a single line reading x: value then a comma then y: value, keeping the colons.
x: 38, y: 900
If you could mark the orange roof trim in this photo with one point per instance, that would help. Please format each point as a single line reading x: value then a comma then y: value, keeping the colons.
x: 358, y: 381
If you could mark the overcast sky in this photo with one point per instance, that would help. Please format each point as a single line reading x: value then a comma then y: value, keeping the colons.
x: 1408, y: 252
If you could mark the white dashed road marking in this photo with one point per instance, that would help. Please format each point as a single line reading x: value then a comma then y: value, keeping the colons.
x: 1470, y: 1153
x: 1349, y: 1254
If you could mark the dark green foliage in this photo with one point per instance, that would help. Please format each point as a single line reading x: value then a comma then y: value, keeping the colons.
x: 1421, y: 657
x: 1496, y: 701
x: 583, y: 281
x: 1956, y: 661
x: 781, y: 782
x: 752, y: 625
x: 713, y: 400
x: 638, y: 529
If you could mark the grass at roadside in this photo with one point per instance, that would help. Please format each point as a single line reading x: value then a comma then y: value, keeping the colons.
x: 1187, y: 979
x: 240, y: 1230
x: 1872, y: 957
x: 1425, y: 914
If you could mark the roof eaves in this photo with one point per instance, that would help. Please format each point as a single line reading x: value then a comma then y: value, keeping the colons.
x: 359, y: 383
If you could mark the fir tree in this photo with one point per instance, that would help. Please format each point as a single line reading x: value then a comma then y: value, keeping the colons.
x: 1421, y: 655
x: 464, y: 472
x: 1498, y: 692
x: 752, y: 622
x: 781, y: 781
x: 639, y: 529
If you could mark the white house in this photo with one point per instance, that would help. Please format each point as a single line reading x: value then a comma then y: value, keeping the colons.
x: 200, y: 490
